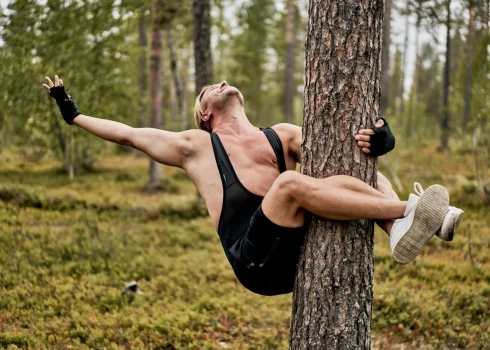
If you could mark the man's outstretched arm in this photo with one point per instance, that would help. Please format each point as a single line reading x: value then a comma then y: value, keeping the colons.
x: 169, y: 148
x: 163, y: 146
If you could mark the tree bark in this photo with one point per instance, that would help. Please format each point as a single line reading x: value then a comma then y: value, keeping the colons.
x: 467, y: 85
x: 411, y: 115
x: 202, y: 43
x: 177, y: 80
x: 289, y: 69
x: 404, y: 64
x: 447, y: 67
x: 333, y: 293
x: 156, y: 71
x: 385, y: 77
x: 143, y: 79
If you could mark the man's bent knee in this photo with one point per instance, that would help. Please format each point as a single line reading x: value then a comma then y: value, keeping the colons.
x: 287, y: 183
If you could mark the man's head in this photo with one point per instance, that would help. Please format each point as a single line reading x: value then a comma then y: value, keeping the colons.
x: 214, y: 100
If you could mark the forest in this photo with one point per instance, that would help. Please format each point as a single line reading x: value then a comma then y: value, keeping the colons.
x: 81, y: 217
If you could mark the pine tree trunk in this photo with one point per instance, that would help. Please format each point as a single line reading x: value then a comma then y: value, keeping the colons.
x: 411, y: 116
x: 467, y: 85
x: 289, y: 69
x: 447, y: 67
x: 156, y: 71
x: 202, y: 43
x: 385, y: 68
x: 333, y: 293
x: 177, y: 80
x: 143, y: 80
x: 404, y: 64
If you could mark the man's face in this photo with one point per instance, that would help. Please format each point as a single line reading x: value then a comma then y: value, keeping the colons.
x: 219, y: 96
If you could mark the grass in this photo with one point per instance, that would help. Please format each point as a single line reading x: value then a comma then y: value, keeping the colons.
x: 68, y: 247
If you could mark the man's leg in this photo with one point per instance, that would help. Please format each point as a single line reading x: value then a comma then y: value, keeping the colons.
x: 384, y: 186
x: 347, y: 198
x: 336, y: 197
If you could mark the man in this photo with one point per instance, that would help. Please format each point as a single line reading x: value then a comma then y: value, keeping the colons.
x: 258, y: 203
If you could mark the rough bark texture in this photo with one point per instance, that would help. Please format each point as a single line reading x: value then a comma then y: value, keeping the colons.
x: 447, y: 67
x: 289, y: 70
x: 467, y: 85
x: 385, y: 77
x: 202, y: 43
x: 334, y: 287
x: 156, y: 72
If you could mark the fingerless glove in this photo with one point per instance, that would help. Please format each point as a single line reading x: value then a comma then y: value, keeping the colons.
x: 68, y: 107
x: 382, y: 141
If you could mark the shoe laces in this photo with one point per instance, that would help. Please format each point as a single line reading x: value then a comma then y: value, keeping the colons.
x: 418, y: 188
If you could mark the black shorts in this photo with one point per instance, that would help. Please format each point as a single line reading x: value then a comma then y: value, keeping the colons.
x: 265, y: 257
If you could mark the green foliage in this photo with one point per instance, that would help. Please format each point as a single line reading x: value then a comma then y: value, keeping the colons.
x: 91, y: 46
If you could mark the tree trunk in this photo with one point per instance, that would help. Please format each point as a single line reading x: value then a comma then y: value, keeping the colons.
x: 289, y: 69
x: 143, y: 80
x: 202, y: 43
x: 385, y: 68
x: 447, y: 67
x: 156, y: 71
x: 333, y: 293
x: 404, y: 64
x: 467, y: 85
x: 177, y: 80
x: 411, y: 116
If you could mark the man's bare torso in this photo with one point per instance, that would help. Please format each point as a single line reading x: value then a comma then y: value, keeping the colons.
x: 253, y: 160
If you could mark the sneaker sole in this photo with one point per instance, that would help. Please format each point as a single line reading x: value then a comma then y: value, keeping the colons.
x: 429, y: 215
x: 454, y: 226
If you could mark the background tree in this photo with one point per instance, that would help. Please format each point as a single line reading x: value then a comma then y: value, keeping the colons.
x: 333, y: 293
x: 385, y: 62
x: 289, y: 71
x: 202, y: 43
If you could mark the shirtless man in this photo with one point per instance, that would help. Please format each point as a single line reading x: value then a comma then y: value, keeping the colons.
x: 258, y: 203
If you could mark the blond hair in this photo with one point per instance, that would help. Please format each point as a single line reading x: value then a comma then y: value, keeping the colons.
x: 198, y: 111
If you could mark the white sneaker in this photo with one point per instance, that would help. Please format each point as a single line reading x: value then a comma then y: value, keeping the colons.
x: 451, y: 221
x: 423, y: 216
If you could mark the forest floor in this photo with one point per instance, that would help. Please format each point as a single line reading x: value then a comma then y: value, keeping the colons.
x: 68, y: 246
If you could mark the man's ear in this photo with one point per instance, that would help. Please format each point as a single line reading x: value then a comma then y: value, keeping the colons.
x: 206, y: 116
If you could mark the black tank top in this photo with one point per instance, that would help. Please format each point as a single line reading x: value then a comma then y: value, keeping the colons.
x: 239, y: 204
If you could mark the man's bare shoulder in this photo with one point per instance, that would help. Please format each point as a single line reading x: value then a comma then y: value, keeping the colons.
x: 195, y: 138
x: 286, y: 130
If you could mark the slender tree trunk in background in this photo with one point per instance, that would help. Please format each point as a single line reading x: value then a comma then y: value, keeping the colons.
x: 143, y: 80
x: 333, y: 293
x: 467, y: 85
x: 202, y: 43
x: 156, y: 71
x: 177, y: 81
x: 385, y: 68
x: 404, y: 63
x: 289, y: 69
x: 184, y: 123
x: 411, y: 116
x: 447, y: 67
x: 488, y: 15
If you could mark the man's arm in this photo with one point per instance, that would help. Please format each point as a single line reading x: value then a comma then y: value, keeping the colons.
x: 292, y: 136
x: 165, y: 147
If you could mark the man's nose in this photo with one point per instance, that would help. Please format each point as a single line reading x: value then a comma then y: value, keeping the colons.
x: 223, y: 83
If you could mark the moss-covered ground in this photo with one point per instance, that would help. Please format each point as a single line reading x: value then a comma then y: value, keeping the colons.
x: 68, y: 246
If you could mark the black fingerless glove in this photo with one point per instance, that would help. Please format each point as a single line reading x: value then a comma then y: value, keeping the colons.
x: 382, y: 141
x: 68, y: 107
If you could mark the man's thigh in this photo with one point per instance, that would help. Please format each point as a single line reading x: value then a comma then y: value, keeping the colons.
x: 280, y: 204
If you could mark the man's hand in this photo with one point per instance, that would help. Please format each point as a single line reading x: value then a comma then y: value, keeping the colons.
x: 68, y: 107
x: 376, y: 141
